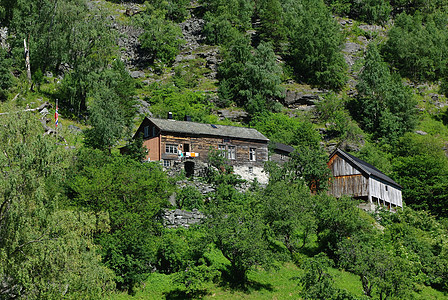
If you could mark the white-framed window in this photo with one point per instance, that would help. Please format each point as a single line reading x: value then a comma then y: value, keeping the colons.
x: 171, y: 149
x: 166, y: 163
x: 251, y: 170
x: 146, y: 129
x: 231, y: 152
x: 252, y: 154
x: 222, y: 150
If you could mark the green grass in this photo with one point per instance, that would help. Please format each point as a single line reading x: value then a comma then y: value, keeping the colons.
x: 278, y: 283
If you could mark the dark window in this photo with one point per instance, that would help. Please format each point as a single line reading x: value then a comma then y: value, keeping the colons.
x: 146, y: 129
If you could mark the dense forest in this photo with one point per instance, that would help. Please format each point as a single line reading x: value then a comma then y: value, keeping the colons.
x: 79, y: 220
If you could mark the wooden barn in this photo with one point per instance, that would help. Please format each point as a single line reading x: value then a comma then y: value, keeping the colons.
x: 168, y: 140
x: 280, y: 152
x: 353, y: 176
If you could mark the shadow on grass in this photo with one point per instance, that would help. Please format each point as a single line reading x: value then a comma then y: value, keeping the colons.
x: 179, y: 294
x: 245, y: 286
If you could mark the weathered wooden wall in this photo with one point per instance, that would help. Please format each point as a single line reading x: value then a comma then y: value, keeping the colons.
x: 341, y: 167
x: 348, y: 180
x: 352, y: 185
x: 385, y: 192
x: 202, y: 145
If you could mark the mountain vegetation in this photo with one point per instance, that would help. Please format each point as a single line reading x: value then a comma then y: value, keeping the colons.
x: 79, y: 220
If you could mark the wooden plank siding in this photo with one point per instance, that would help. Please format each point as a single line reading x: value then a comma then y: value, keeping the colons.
x: 385, y: 192
x: 202, y: 145
x: 354, y: 177
x: 341, y: 167
x: 354, y: 185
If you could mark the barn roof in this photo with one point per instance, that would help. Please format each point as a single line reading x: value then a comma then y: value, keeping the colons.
x: 365, y: 167
x: 187, y: 127
x: 284, y: 147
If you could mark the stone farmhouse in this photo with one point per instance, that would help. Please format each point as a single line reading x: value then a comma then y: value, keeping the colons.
x: 353, y: 176
x: 171, y: 141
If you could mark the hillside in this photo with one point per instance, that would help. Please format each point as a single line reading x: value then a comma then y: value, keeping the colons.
x: 80, y: 220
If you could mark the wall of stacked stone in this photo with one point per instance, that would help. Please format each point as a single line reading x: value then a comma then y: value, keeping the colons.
x: 181, y: 218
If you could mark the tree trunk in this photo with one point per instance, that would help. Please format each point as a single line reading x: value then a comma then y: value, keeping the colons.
x: 27, y: 61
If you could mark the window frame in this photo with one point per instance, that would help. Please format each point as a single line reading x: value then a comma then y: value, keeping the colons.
x: 146, y: 131
x: 222, y: 149
x: 231, y: 152
x: 252, y: 154
x: 170, y: 149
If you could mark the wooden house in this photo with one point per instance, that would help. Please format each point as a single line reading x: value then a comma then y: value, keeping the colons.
x: 353, y: 176
x: 168, y: 140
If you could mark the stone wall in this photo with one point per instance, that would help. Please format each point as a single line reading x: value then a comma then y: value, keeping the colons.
x: 181, y: 218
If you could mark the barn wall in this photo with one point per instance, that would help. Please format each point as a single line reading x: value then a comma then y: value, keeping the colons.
x: 341, y: 167
x: 353, y: 185
x: 385, y: 192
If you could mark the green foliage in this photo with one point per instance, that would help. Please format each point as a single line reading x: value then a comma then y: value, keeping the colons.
x: 332, y: 111
x: 162, y: 38
x: 273, y: 27
x: 106, y: 120
x: 5, y: 75
x: 281, y: 128
x: 282, y: 203
x: 194, y: 279
x: 417, y: 46
x: 384, y: 106
x: 62, y: 36
x: 250, y: 80
x: 421, y: 240
x: 112, y: 107
x: 337, y: 219
x: 317, y: 283
x: 181, y: 103
x: 421, y: 167
x: 132, y: 193
x: 225, y: 20
x: 370, y: 11
x: 376, y: 157
x: 315, y: 53
x: 382, y: 273
x: 189, y: 198
x: 235, y: 226
x: 176, y: 10
x: 135, y: 149
x: 307, y: 165
x: 419, y: 6
x: 181, y: 249
x: 46, y: 252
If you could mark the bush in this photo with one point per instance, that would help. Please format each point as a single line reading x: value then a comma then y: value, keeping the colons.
x: 189, y: 198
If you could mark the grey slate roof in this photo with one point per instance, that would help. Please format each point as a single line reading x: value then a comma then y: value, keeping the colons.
x: 284, y: 147
x: 366, y: 168
x: 194, y: 128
